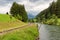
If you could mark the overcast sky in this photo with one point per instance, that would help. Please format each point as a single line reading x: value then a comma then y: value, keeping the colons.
x: 31, y: 6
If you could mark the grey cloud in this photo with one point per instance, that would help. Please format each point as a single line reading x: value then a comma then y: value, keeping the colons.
x: 33, y: 0
x: 40, y: 1
x: 5, y: 2
x: 48, y: 0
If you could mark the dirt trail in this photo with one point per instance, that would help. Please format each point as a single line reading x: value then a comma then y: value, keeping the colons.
x: 5, y: 31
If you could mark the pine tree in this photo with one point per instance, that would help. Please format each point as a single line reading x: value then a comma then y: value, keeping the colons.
x: 19, y: 12
x: 58, y: 8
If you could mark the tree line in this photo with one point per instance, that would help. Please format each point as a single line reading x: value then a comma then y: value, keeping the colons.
x: 52, y: 12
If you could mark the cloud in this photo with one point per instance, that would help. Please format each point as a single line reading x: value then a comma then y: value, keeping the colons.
x: 33, y: 0
x: 6, y: 2
x: 40, y: 1
x: 38, y: 8
x: 5, y: 9
x: 31, y: 6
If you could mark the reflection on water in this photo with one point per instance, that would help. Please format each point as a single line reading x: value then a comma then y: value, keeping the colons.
x: 48, y: 32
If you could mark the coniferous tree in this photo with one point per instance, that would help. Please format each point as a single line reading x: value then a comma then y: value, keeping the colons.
x: 58, y: 8
x: 19, y: 12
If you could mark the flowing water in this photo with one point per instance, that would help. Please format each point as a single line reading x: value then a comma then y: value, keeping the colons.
x: 49, y: 32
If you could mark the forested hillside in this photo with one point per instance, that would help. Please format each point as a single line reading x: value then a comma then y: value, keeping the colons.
x: 51, y: 15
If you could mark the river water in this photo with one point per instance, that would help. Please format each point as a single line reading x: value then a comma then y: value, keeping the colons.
x: 49, y: 32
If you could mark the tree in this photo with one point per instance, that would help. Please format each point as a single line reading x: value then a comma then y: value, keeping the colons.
x: 58, y: 8
x: 7, y: 13
x: 19, y: 12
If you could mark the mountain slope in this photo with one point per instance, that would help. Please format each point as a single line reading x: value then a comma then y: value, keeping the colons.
x: 51, y: 15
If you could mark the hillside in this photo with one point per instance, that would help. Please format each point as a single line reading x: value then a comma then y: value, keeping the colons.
x: 7, y: 23
x: 13, y: 29
x: 6, y: 18
x: 51, y: 15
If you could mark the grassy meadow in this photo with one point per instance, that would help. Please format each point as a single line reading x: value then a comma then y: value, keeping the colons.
x: 27, y: 33
x: 6, y: 18
x: 7, y: 23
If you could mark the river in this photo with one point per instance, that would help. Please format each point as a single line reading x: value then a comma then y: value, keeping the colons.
x: 49, y: 32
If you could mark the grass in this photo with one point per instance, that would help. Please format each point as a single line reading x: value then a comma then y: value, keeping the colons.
x: 6, y: 18
x: 7, y: 23
x: 58, y: 23
x: 28, y: 33
x: 52, y: 21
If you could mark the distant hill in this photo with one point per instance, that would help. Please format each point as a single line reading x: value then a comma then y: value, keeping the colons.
x: 30, y: 16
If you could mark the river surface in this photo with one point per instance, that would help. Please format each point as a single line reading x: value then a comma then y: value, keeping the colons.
x: 49, y: 32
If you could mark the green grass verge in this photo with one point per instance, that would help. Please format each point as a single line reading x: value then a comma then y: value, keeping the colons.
x: 28, y: 33
x: 52, y: 21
